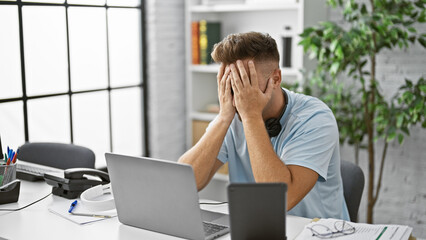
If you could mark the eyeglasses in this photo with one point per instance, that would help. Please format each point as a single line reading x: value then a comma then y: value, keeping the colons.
x: 342, y: 228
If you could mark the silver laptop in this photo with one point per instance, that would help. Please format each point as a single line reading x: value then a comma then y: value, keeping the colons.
x: 161, y: 196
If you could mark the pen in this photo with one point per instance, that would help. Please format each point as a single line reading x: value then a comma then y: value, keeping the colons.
x: 9, y: 154
x: 72, y: 206
x: 14, y: 157
x: 90, y: 215
x: 9, y: 159
x: 384, y: 229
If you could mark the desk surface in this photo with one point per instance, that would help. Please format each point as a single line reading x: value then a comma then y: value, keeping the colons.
x: 37, y: 222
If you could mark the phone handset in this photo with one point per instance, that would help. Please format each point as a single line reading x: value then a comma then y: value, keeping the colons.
x: 78, y: 173
x: 75, y: 180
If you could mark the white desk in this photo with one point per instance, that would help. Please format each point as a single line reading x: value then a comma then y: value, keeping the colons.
x: 37, y: 222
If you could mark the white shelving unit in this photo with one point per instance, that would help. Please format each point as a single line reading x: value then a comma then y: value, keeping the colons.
x: 246, y: 7
x: 273, y: 17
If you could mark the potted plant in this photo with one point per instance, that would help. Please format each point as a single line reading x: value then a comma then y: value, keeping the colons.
x: 350, y: 49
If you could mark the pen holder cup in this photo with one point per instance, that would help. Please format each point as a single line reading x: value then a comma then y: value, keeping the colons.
x: 9, y: 186
x: 7, y: 173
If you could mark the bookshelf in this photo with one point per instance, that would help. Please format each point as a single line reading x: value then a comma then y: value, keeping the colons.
x: 279, y: 18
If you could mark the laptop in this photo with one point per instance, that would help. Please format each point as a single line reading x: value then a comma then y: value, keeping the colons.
x: 161, y: 196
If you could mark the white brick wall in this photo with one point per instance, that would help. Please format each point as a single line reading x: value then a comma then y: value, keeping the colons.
x: 166, y: 78
x: 403, y: 196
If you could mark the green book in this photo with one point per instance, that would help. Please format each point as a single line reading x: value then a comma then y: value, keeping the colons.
x: 209, y: 36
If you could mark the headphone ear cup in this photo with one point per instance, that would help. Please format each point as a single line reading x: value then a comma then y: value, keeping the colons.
x: 273, y: 127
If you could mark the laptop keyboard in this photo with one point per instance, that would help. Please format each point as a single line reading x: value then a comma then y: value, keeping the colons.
x: 211, y: 228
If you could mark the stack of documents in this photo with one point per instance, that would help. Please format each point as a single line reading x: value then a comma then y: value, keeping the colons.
x: 362, y: 231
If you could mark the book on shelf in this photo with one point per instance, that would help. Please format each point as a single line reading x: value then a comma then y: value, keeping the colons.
x: 195, y: 33
x: 209, y: 34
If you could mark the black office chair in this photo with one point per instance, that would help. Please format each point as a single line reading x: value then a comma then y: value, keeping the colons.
x: 353, y: 186
x: 58, y: 155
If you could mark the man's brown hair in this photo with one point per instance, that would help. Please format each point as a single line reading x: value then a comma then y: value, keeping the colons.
x: 253, y: 45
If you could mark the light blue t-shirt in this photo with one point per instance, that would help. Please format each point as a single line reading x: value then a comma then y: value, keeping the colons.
x: 309, y: 138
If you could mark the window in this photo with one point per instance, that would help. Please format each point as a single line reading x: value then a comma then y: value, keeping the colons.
x: 73, y: 72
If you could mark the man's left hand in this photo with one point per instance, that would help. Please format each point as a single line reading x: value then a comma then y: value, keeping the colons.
x: 249, y: 99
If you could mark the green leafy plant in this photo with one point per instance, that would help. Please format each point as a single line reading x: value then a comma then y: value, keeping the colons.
x: 350, y: 49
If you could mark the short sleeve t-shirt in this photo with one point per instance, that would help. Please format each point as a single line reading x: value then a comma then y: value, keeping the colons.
x: 309, y: 137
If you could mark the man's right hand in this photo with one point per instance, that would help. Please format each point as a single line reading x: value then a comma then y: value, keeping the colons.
x: 227, y: 109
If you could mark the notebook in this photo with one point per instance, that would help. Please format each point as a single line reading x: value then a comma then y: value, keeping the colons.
x: 160, y: 196
x: 257, y: 210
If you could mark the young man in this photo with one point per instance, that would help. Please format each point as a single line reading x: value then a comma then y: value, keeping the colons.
x: 269, y: 134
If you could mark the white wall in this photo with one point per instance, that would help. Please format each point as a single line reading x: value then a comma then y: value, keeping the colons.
x: 166, y: 78
x: 403, y: 198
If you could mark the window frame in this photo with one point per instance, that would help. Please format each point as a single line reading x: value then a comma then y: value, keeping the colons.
x: 142, y: 84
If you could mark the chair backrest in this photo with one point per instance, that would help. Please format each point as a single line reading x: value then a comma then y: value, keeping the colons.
x: 353, y: 186
x: 58, y: 155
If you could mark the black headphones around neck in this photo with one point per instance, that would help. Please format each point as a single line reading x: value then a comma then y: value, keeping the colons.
x: 273, y: 125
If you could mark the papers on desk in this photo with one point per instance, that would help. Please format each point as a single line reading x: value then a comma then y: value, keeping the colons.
x: 61, y: 208
x: 362, y: 231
